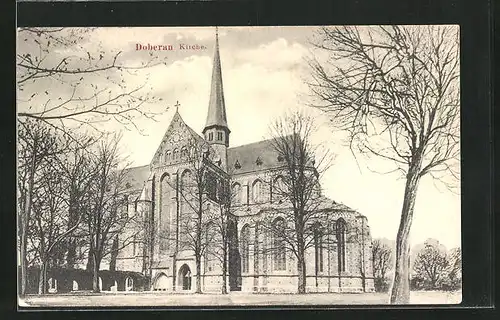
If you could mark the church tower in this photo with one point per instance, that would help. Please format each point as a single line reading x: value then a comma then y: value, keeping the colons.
x: 216, y: 131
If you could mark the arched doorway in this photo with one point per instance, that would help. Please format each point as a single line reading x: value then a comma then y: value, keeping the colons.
x: 161, y: 283
x: 185, y: 277
x: 100, y: 284
x: 129, y: 284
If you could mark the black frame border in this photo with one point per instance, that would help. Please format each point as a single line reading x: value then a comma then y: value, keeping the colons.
x: 475, y: 19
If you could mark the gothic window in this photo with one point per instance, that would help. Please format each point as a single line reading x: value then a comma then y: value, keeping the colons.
x: 278, y: 188
x: 245, y: 248
x: 341, y: 235
x: 175, y: 155
x: 129, y: 282
x: 318, y: 248
x: 184, y: 152
x: 210, y: 235
x: 258, y: 161
x: 165, y: 195
x: 237, y: 165
x: 211, y: 185
x: 256, y: 248
x: 220, y: 190
x: 257, y: 191
x: 219, y: 136
x: 186, y: 188
x: 279, y: 249
x: 168, y: 156
x: 236, y: 193
x: 210, y: 136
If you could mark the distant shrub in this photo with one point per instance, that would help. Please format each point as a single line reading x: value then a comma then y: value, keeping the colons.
x: 382, y: 285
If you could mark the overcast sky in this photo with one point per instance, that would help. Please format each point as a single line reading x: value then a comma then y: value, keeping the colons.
x: 263, y: 71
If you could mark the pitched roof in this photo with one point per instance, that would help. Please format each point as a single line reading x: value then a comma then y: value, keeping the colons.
x: 216, y: 107
x: 136, y: 177
x: 249, y: 156
x: 177, y: 118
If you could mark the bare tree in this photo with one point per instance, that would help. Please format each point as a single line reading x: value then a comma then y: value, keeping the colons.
x: 200, y: 184
x: 218, y: 239
x: 91, y: 89
x: 75, y: 168
x: 395, y: 90
x: 296, y: 190
x: 51, y: 219
x: 91, y: 83
x: 37, y: 145
x: 383, y: 259
x: 431, y: 264
x: 105, y: 214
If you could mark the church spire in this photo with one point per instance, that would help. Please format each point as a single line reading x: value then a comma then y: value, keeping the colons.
x: 216, y: 116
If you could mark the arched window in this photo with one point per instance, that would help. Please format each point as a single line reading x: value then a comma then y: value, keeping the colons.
x: 257, y: 191
x: 175, y: 154
x: 165, y: 195
x: 341, y: 235
x: 129, y: 284
x: 186, y: 187
x: 168, y: 156
x: 318, y: 248
x: 210, y: 251
x: 279, y: 190
x: 279, y: 249
x: 245, y: 248
x: 184, y: 152
x: 236, y: 193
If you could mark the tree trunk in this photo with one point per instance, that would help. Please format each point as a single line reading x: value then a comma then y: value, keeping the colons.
x: 71, y: 255
x: 174, y: 271
x: 41, y: 279
x: 25, y: 217
x: 301, y: 269
x: 224, y: 269
x: 90, y: 260
x: 301, y: 264
x: 401, y: 284
x: 95, y: 276
x: 198, y: 273
x: 363, y: 281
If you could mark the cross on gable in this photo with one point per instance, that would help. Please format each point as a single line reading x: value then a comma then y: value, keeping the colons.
x: 177, y: 105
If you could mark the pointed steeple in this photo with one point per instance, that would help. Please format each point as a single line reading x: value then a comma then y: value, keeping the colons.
x: 216, y: 116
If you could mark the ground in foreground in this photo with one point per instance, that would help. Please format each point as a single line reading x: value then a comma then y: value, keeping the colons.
x: 149, y: 299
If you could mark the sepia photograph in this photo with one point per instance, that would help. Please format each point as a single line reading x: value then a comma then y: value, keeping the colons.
x: 238, y: 166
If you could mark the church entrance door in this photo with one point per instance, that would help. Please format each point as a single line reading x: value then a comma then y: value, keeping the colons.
x: 185, y: 277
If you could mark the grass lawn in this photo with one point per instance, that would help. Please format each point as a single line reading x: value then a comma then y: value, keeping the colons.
x: 150, y: 299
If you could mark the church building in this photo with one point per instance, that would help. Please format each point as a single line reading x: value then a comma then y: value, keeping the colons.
x: 338, y: 261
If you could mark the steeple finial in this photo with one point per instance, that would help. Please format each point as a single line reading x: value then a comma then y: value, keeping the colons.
x: 177, y: 105
x: 216, y: 116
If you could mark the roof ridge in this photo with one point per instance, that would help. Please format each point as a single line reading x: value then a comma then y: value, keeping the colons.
x: 255, y: 142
